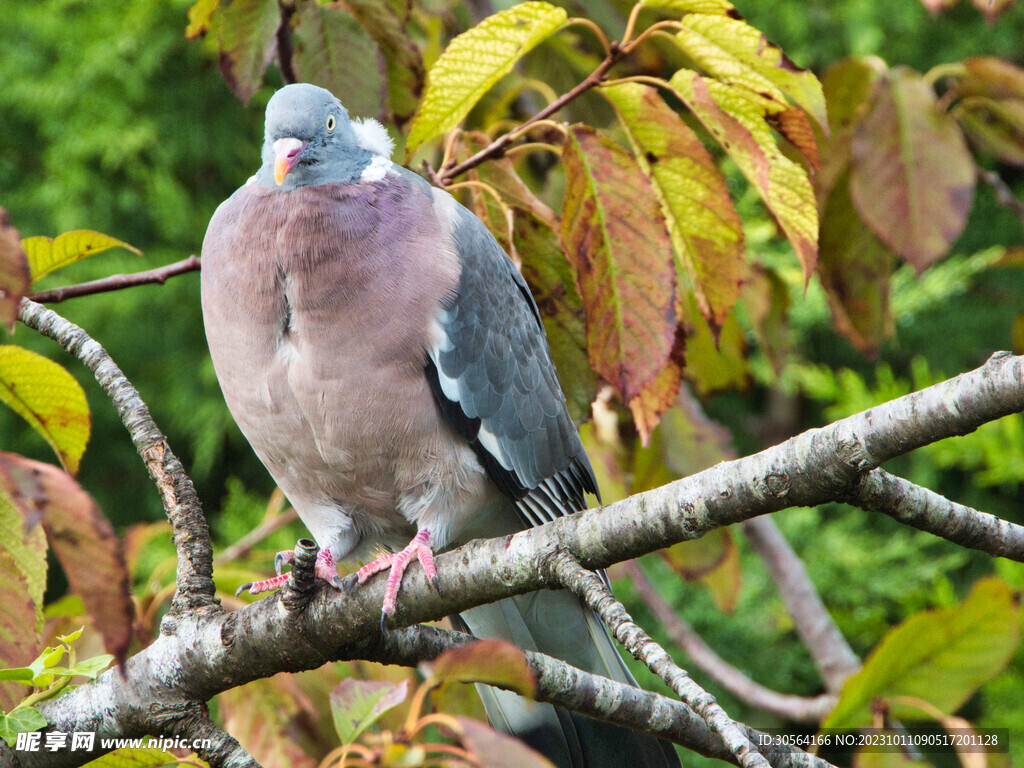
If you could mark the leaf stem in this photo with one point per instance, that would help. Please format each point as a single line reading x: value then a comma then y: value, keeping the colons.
x: 593, y: 28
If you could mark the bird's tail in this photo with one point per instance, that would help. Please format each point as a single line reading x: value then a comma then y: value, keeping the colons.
x: 559, y: 625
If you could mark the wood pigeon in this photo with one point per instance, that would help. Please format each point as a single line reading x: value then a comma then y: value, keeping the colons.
x: 387, y: 362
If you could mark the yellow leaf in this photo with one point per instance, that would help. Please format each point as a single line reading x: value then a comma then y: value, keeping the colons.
x: 474, y: 61
x: 46, y: 255
x: 49, y: 399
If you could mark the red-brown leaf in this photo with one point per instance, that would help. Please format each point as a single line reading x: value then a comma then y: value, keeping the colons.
x: 81, y: 537
x: 913, y: 178
x: 615, y: 237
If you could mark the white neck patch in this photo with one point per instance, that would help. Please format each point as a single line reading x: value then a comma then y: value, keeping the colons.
x: 373, y: 137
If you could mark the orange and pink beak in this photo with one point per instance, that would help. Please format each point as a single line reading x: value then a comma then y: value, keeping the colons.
x: 287, y: 152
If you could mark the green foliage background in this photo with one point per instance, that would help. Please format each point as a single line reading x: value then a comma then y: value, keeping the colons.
x: 112, y: 121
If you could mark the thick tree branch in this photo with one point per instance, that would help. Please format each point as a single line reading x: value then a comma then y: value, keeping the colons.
x: 926, y: 510
x: 785, y: 706
x: 117, y: 282
x: 191, y: 535
x: 832, y: 655
x: 200, y: 655
x: 590, y: 588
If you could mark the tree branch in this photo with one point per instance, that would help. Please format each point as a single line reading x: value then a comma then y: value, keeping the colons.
x: 200, y: 654
x: 832, y: 655
x: 117, y: 282
x: 920, y: 508
x: 590, y: 588
x: 496, y: 148
x: 786, y: 706
x: 1004, y: 195
x: 195, y: 588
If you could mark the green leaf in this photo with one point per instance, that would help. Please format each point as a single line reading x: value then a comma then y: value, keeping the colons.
x: 21, y: 674
x: 941, y: 656
x: 14, y: 272
x: 855, y: 267
x: 247, y: 39
x: 474, y: 61
x: 46, y: 255
x: 92, y: 667
x: 21, y: 720
x: 913, y: 178
x: 720, y: 7
x: 706, y: 231
x: 495, y: 662
x: 732, y: 51
x: 615, y: 238
x: 82, y: 538
x: 142, y: 757
x: 736, y: 120
x: 49, y: 399
x: 22, y: 585
x: 332, y: 50
x: 357, y: 704
x: 402, y: 56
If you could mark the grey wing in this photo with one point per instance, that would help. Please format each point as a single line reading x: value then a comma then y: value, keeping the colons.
x: 493, y: 378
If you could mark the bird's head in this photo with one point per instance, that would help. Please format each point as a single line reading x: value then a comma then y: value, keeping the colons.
x: 310, y: 140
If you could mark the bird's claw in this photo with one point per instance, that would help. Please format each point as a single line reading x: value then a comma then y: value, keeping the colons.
x: 287, y: 557
x: 397, y: 562
x: 243, y: 588
x: 325, y: 569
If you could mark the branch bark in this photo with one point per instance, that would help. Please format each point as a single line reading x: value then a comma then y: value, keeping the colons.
x: 205, y: 652
x: 117, y: 282
x: 799, y: 709
x: 195, y: 588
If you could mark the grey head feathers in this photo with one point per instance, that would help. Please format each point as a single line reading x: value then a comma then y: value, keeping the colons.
x: 310, y: 140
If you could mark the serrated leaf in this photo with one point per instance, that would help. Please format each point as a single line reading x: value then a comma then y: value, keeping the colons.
x: 49, y: 399
x: 21, y: 720
x: 331, y: 49
x: 990, y: 77
x: 941, y: 656
x: 855, y: 270
x: 46, y: 255
x: 22, y: 586
x: 402, y: 56
x: 706, y: 231
x: 358, y: 704
x: 494, y: 662
x: 14, y: 272
x: 496, y: 750
x: 81, y: 537
x: 737, y: 122
x: 259, y: 712
x: 721, y: 7
x: 247, y: 41
x: 732, y: 51
x: 615, y: 238
x: 912, y: 179
x: 474, y: 61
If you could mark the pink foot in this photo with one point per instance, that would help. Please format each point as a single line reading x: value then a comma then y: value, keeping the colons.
x: 397, y: 562
x: 326, y: 569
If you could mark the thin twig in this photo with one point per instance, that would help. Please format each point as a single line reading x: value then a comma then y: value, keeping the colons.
x: 117, y: 282
x: 878, y: 491
x: 494, y: 149
x: 832, y: 655
x: 191, y: 534
x: 1004, y: 195
x: 590, y: 588
x: 787, y: 706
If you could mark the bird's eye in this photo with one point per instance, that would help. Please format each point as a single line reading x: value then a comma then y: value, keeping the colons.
x: 331, y: 123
